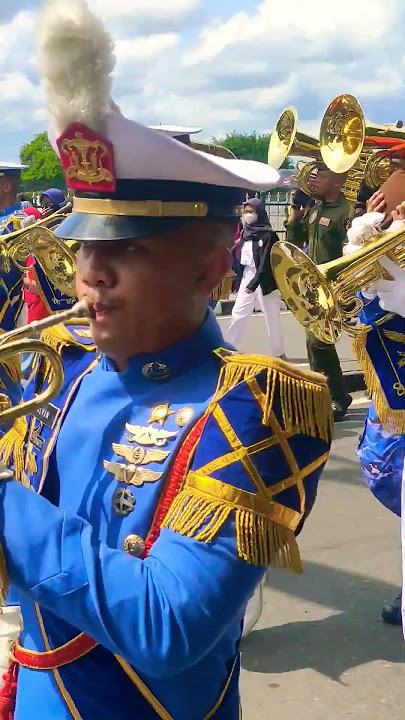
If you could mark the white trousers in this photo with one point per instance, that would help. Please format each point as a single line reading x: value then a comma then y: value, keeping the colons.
x: 243, y: 308
x: 253, y: 610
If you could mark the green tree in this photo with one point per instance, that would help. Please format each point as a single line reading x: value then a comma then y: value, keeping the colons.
x: 44, y: 169
x: 251, y: 146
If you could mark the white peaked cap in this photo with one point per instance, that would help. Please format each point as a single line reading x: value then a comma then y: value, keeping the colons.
x: 146, y: 154
x: 176, y: 130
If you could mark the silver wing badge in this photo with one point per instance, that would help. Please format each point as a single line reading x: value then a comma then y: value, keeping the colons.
x: 149, y: 435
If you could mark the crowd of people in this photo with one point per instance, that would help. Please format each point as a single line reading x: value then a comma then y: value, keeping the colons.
x: 144, y: 503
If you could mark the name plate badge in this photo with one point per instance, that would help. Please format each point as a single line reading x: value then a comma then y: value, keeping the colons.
x: 48, y: 414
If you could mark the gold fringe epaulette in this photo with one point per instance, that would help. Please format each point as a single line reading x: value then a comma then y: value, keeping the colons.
x: 12, y: 367
x: 60, y: 337
x: 265, y: 529
x: 304, y: 395
x: 12, y: 451
x: 392, y: 420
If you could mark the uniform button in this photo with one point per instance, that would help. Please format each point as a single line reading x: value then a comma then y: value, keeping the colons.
x: 134, y: 545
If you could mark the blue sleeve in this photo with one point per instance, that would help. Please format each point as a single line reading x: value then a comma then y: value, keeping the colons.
x: 162, y: 614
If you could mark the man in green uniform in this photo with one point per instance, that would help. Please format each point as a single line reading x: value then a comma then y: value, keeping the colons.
x: 325, y: 228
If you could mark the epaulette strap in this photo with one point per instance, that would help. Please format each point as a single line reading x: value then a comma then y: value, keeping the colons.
x: 62, y: 336
x: 12, y: 451
x: 387, y: 387
x: 265, y: 441
x: 304, y: 395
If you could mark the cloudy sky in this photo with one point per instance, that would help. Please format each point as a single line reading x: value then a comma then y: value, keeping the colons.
x: 221, y: 64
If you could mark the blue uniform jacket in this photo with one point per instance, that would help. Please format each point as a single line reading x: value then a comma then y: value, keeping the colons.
x: 167, y: 622
x: 380, y: 350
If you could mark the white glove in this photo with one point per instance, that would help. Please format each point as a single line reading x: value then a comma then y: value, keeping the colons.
x: 363, y: 228
x: 391, y: 293
x: 27, y: 221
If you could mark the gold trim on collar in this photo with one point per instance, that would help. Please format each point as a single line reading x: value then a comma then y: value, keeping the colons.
x: 139, y: 208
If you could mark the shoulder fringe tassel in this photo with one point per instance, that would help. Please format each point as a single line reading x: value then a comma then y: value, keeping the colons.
x: 260, y: 541
x: 304, y: 396
x: 306, y: 406
x: 392, y: 420
x: 12, y: 451
x: 58, y: 337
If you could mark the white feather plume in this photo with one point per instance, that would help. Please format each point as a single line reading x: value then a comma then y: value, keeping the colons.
x: 76, y: 61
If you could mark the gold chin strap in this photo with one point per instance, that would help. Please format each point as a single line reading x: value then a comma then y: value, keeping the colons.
x: 139, y: 208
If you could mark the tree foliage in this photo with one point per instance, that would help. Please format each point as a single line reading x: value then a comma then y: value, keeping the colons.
x: 249, y: 146
x: 44, y: 169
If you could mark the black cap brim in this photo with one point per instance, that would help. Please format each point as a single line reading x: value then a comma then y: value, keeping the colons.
x: 91, y: 228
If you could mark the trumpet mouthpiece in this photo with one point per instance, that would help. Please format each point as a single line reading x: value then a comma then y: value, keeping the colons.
x: 82, y: 309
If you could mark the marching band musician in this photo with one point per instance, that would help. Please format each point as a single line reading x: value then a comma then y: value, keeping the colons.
x: 169, y: 472
x: 380, y: 352
x: 13, y: 216
x: 325, y: 228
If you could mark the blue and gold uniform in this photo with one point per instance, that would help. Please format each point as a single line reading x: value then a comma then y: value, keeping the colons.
x: 380, y: 352
x: 151, y: 498
x: 186, y: 476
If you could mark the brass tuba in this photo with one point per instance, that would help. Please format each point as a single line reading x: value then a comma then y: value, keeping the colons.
x: 286, y: 140
x: 56, y: 259
x: 347, y: 144
x: 324, y: 298
x: 306, y: 170
x: 19, y: 341
x: 15, y: 247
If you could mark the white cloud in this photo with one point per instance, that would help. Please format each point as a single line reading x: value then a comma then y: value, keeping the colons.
x: 144, y: 49
x: 179, y: 63
x: 153, y: 15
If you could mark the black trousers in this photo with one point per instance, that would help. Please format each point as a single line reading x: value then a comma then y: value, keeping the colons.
x: 324, y: 359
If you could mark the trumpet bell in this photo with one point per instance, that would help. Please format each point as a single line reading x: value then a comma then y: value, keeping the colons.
x: 305, y: 291
x: 342, y: 133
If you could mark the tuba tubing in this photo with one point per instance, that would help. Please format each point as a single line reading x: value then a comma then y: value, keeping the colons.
x: 19, y: 341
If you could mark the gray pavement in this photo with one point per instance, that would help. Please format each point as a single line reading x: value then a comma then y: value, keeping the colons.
x: 320, y: 650
x: 256, y: 340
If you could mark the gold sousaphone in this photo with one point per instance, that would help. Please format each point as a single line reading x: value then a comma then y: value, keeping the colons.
x: 347, y: 144
x: 287, y: 140
x: 55, y: 258
x: 20, y: 341
x: 324, y: 298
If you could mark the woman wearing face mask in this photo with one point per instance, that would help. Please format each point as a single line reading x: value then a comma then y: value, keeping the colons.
x: 257, y: 283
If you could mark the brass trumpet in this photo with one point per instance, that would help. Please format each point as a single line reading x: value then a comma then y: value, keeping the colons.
x: 19, y: 341
x: 324, y: 298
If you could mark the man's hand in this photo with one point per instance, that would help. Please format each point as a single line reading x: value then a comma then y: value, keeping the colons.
x: 377, y: 203
x: 248, y: 291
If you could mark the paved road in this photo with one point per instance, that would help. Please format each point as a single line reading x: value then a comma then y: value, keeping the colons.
x: 256, y: 340
x: 320, y: 650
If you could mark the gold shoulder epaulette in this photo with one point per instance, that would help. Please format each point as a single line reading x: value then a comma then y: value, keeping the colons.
x: 303, y: 395
x: 75, y: 333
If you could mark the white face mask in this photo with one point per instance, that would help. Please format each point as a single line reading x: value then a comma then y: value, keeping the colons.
x: 250, y: 218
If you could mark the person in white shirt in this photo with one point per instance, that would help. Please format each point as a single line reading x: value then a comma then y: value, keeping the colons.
x: 258, y: 285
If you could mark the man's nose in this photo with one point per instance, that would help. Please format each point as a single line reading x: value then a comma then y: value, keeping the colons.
x: 95, y: 268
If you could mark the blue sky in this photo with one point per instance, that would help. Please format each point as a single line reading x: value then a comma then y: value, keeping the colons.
x: 221, y: 64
